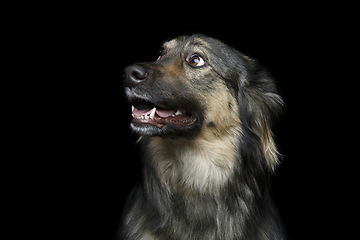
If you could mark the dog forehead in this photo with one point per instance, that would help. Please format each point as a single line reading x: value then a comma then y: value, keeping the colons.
x: 185, y: 42
x: 221, y: 57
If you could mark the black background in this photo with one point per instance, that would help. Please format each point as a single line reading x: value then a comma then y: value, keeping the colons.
x: 93, y: 162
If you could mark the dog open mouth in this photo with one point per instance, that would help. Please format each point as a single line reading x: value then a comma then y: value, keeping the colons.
x: 145, y: 112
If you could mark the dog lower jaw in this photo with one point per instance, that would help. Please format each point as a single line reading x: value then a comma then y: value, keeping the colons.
x: 160, y: 122
x: 146, y: 127
x: 146, y: 123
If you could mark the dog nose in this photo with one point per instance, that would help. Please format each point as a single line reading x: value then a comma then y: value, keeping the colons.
x: 133, y: 75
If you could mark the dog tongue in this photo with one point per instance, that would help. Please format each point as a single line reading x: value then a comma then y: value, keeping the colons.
x: 141, y: 112
x: 164, y: 113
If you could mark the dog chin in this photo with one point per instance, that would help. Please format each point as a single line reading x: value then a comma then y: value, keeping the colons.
x: 144, y: 129
x: 150, y: 130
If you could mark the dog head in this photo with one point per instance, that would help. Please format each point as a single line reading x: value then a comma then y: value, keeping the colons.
x: 199, y: 85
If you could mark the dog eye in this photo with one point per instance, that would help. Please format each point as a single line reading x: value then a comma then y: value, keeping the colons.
x: 196, y: 60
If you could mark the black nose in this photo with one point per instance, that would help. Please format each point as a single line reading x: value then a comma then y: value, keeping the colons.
x: 133, y: 75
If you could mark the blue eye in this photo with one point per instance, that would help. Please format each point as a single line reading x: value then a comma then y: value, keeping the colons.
x: 196, y: 60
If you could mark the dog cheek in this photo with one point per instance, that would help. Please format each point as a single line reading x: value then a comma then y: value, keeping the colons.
x: 202, y: 80
x: 222, y: 113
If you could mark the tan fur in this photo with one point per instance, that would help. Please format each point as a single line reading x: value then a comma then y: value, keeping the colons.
x: 222, y: 110
x: 170, y: 44
x: 200, y: 164
x: 269, y: 149
x: 266, y: 136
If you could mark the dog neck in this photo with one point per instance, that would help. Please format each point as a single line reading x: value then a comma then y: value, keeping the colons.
x: 201, y: 165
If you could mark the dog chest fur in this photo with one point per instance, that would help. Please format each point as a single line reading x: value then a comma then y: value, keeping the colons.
x: 201, y: 165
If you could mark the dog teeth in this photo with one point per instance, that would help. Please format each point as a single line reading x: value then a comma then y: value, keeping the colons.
x: 152, y: 114
x: 178, y: 112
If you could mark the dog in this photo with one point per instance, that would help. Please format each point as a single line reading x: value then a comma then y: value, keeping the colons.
x: 203, y: 112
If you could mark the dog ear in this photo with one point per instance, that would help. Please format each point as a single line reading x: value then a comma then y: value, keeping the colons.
x: 259, y: 104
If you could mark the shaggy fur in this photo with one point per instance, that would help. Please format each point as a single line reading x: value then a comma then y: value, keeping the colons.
x: 207, y: 172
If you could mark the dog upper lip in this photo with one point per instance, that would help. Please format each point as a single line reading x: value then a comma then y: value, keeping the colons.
x: 142, y: 103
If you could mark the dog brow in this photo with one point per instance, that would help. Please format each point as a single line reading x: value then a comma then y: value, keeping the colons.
x: 170, y: 44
